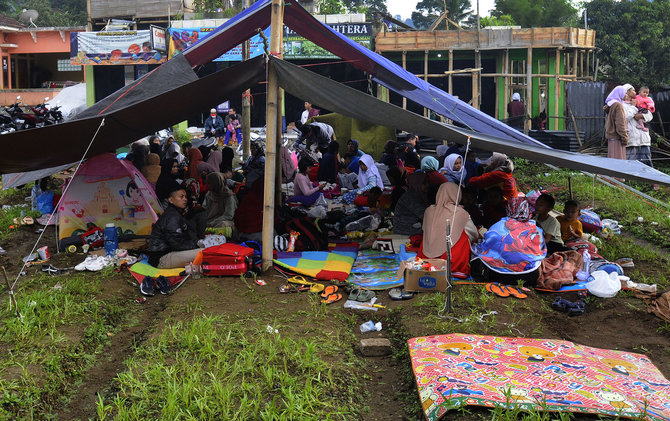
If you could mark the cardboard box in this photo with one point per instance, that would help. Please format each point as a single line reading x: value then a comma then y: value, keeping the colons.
x: 426, y: 281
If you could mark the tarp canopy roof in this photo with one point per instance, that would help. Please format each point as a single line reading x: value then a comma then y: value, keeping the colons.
x: 149, y: 105
x: 353, y: 103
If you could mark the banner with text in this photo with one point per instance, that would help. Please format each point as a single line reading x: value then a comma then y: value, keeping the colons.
x: 182, y: 38
x: 297, y: 47
x: 113, y: 47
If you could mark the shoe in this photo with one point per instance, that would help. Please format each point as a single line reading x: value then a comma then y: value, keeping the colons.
x: 147, y: 286
x: 625, y: 262
x: 163, y: 285
x: 96, y: 264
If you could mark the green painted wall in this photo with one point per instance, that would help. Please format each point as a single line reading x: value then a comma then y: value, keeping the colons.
x: 90, y: 85
x: 539, y: 54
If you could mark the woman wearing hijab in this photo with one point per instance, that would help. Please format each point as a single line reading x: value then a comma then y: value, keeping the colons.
x: 329, y: 164
x: 390, y: 155
x: 194, y: 159
x: 167, y: 181
x: 220, y: 202
x: 500, y: 174
x: 462, y: 231
x: 368, y: 177
x: 513, y: 248
x: 430, y: 165
x: 152, y: 169
x: 138, y: 154
x: 227, y: 156
x: 398, y: 178
x: 616, y: 131
x: 171, y: 150
x: 410, y: 209
x: 454, y: 169
x: 355, y: 154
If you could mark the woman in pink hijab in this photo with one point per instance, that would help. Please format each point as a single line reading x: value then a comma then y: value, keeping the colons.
x: 463, y: 230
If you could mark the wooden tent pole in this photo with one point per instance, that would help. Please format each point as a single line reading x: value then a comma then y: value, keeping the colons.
x: 404, y: 66
x: 529, y: 90
x: 271, y: 136
x: 246, y: 103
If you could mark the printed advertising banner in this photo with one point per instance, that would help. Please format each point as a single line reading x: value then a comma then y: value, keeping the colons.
x: 113, y: 47
x: 182, y: 38
x: 297, y: 47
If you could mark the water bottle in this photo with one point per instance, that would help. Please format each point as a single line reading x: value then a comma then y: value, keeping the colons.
x: 111, y: 239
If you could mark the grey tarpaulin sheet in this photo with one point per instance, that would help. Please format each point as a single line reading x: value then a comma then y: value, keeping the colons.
x: 345, y: 100
x: 61, y: 144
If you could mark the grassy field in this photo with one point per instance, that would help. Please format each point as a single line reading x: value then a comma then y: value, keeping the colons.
x: 225, y: 348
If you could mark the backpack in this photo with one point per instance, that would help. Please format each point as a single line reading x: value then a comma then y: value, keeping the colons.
x: 311, y: 238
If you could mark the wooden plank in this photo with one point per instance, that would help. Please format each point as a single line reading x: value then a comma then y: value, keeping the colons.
x: 425, y: 76
x: 404, y: 66
x: 529, y: 89
x: 451, y: 68
x: 506, y: 81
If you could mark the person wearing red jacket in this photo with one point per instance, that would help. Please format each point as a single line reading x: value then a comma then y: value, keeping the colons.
x: 500, y: 174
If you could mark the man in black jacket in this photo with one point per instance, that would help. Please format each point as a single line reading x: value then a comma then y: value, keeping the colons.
x: 407, y: 152
x: 173, y: 242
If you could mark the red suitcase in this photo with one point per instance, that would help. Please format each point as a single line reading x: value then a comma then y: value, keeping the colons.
x: 228, y: 260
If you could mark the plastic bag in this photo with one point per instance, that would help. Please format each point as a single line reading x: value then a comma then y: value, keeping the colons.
x: 604, y: 285
x: 45, y: 202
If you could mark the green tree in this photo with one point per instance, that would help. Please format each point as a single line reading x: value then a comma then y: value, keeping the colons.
x: 55, y: 13
x: 632, y: 40
x: 364, y: 6
x: 330, y: 7
x: 503, y: 20
x: 537, y: 13
x: 429, y: 10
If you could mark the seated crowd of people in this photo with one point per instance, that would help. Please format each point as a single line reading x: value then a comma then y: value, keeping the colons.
x: 198, y: 188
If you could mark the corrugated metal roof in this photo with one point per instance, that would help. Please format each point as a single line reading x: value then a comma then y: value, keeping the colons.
x: 138, y: 9
x: 586, y: 100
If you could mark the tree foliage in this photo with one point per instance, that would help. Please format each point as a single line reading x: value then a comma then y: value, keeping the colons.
x: 633, y: 40
x: 502, y: 20
x: 330, y: 7
x: 537, y: 13
x: 54, y: 12
x: 429, y: 10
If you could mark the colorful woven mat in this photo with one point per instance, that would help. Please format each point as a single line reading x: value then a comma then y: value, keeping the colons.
x: 535, y: 375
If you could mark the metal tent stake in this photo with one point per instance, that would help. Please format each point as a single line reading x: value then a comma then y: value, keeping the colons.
x: 448, y: 271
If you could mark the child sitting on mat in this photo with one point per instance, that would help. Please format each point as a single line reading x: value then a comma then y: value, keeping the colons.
x: 550, y: 225
x: 571, y: 227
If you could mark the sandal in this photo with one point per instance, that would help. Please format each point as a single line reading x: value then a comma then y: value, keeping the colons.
x: 313, y: 286
x: 561, y: 304
x: 329, y: 290
x: 577, y: 308
x: 514, y: 291
x: 332, y: 298
x: 497, y: 289
x: 400, y: 294
x: 361, y: 295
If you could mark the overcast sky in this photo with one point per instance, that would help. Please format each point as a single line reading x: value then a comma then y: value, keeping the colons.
x: 405, y: 8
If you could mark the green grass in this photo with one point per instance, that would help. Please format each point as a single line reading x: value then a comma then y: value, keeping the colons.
x: 224, y: 367
x: 610, y: 202
x: 46, y: 351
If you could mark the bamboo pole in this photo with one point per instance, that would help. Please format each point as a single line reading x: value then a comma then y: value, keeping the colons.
x: 529, y: 89
x: 425, y: 76
x: 451, y: 68
x: 404, y: 66
x: 557, y: 86
x: 505, y: 83
x: 246, y: 103
x: 271, y: 136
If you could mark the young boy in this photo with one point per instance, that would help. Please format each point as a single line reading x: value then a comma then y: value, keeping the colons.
x: 571, y: 227
x: 550, y: 225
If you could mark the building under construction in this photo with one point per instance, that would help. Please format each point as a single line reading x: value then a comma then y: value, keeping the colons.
x: 484, y: 67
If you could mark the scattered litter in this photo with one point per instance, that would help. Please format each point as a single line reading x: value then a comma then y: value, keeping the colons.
x: 29, y: 258
x: 654, y: 223
x: 357, y: 305
x: 640, y: 219
x: 260, y: 282
x: 141, y: 300
x: 58, y: 286
x: 270, y: 329
x: 369, y: 326
x: 2, y: 251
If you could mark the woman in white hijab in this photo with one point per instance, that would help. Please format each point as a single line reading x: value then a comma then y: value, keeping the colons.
x: 368, y: 177
x: 454, y: 169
